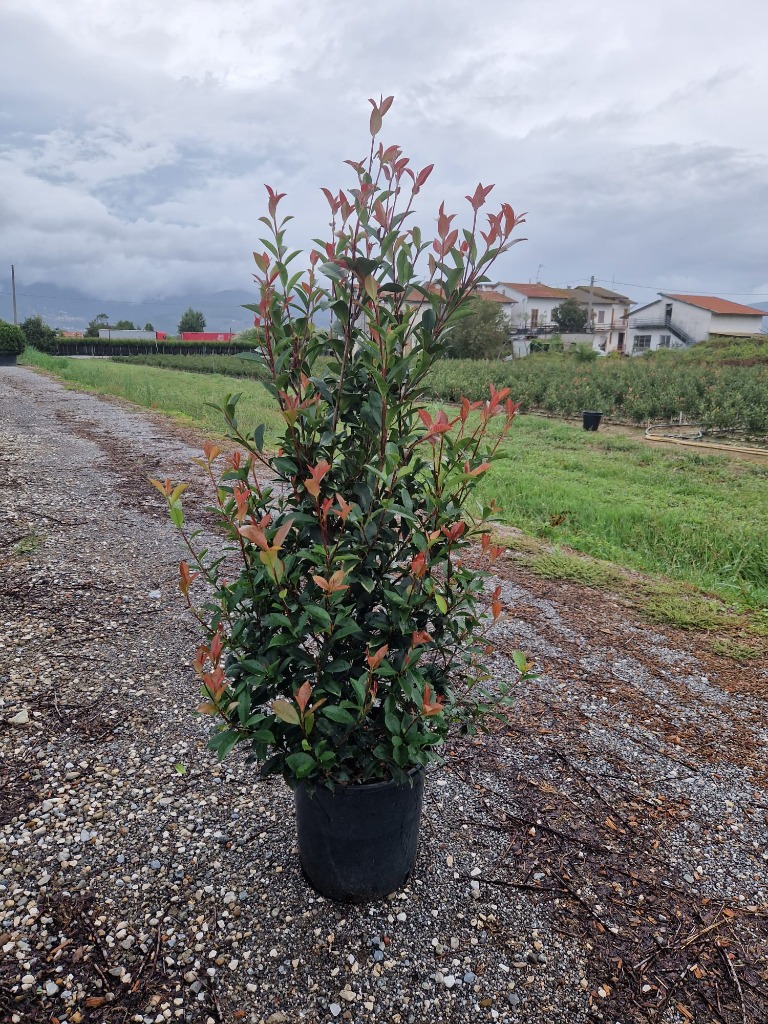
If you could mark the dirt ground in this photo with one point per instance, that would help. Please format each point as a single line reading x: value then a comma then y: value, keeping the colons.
x: 600, y: 855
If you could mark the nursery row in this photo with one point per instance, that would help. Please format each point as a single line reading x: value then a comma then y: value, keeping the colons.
x: 228, y: 364
x: 635, y: 390
x: 719, y: 395
x: 131, y: 347
x: 692, y: 516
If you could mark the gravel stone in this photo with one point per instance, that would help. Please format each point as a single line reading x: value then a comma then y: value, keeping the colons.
x: 187, y: 884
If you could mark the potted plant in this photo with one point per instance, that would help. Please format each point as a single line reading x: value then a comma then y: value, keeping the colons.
x: 12, y: 343
x: 344, y: 627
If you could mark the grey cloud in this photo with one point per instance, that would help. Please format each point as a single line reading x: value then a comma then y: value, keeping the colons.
x: 134, y: 146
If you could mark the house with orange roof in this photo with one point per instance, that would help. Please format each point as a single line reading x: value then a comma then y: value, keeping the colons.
x: 610, y: 313
x: 534, y: 303
x: 505, y: 302
x: 674, y: 321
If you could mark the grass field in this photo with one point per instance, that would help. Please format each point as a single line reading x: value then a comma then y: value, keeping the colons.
x: 721, y: 384
x: 697, y: 518
x: 185, y: 396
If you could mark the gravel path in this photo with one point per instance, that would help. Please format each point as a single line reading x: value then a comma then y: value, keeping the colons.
x: 602, y: 856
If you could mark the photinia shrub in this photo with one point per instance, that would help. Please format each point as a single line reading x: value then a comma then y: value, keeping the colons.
x: 350, y: 636
x: 12, y: 340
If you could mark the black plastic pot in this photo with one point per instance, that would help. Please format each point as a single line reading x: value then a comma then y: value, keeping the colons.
x: 358, y: 843
x: 591, y: 420
x: 6, y: 360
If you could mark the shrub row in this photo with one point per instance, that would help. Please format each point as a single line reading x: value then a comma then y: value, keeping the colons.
x: 636, y: 390
x: 120, y: 347
x: 228, y: 364
x: 657, y: 387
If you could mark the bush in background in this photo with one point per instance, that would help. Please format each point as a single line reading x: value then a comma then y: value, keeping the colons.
x: 38, y: 334
x: 481, y: 333
x: 12, y: 340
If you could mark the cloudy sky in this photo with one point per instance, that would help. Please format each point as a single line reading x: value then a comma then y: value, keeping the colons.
x: 135, y: 136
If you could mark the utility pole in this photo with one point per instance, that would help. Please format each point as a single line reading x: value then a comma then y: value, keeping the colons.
x: 589, y: 306
x: 13, y: 289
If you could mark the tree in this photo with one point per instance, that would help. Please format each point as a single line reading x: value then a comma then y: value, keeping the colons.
x: 570, y: 317
x: 482, y: 334
x: 99, y: 323
x: 148, y: 327
x: 191, y: 320
x: 37, y: 333
x: 124, y: 325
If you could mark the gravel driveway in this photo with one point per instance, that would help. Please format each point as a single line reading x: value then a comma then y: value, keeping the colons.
x: 602, y: 856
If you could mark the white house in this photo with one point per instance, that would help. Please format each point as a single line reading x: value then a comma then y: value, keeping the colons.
x: 505, y: 303
x: 533, y: 302
x: 610, y: 313
x: 672, y: 321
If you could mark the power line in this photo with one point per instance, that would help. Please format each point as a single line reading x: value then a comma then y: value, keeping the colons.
x: 655, y: 288
x: 650, y: 287
x: 712, y: 291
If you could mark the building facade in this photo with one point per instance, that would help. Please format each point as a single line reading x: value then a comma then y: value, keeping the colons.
x: 675, y: 321
x: 533, y: 304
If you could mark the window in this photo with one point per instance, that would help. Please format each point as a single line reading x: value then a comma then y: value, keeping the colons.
x: 601, y: 316
x: 534, y: 318
x: 641, y: 342
x: 664, y: 340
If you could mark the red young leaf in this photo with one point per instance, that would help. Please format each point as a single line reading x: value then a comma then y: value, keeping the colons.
x: 375, y: 122
x: 344, y: 508
x: 420, y: 637
x: 428, y: 706
x: 423, y: 174
x: 374, y: 660
x: 255, y: 536
x: 212, y: 451
x: 274, y: 199
x: 282, y: 533
x: 302, y: 695
x: 419, y: 565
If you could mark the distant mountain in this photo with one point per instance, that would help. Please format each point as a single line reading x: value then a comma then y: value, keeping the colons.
x: 762, y: 305
x: 72, y: 310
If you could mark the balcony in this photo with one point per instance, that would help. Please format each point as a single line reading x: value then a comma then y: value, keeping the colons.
x: 662, y: 324
x: 617, y: 324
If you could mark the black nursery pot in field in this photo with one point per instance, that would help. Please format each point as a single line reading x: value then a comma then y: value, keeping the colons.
x: 591, y: 420
x: 358, y: 843
x: 6, y: 360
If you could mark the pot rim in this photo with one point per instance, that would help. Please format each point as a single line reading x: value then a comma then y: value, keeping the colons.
x: 363, y: 787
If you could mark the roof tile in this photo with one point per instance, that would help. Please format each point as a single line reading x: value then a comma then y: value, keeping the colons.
x: 716, y: 305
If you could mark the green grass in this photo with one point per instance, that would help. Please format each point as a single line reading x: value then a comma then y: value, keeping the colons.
x: 671, y: 606
x: 739, y: 650
x: 659, y: 600
x: 28, y: 544
x: 696, y: 518
x: 559, y: 565
x: 184, y: 396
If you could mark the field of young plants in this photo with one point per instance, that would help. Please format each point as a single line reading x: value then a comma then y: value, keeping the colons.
x: 721, y: 384
x: 696, y: 517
